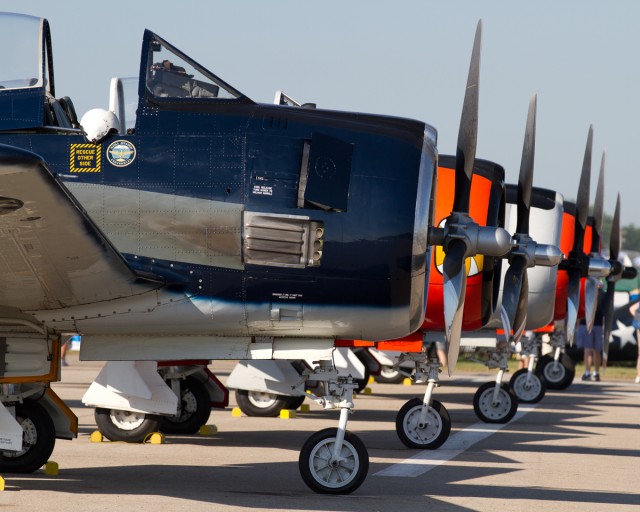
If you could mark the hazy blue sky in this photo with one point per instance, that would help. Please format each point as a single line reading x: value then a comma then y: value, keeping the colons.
x: 406, y: 58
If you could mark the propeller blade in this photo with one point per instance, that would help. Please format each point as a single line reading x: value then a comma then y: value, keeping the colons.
x: 525, y: 179
x: 468, y: 131
x: 521, y: 313
x: 592, y: 284
x: 582, y: 203
x: 608, y: 316
x: 591, y: 287
x: 506, y: 324
x: 454, y: 287
x: 514, y: 296
x: 573, y: 302
x: 614, y: 241
x: 598, y: 209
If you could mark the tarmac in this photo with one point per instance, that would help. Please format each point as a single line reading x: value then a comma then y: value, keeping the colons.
x: 576, y: 450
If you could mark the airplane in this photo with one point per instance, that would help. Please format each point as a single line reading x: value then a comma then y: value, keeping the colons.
x: 265, y: 387
x: 208, y: 227
x: 425, y: 423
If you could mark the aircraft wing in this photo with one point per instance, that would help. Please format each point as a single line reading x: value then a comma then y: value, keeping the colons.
x: 51, y: 254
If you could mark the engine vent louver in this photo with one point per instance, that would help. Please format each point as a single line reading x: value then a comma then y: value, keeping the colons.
x: 282, y: 240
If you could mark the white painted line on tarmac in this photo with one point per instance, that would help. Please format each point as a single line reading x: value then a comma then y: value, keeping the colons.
x: 427, y: 460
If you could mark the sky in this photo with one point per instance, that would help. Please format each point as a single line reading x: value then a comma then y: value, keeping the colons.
x: 405, y: 58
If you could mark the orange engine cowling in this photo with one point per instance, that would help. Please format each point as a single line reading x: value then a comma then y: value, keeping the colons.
x: 486, y: 207
x: 566, y: 245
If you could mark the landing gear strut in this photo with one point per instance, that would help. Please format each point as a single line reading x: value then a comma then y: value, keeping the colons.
x: 424, y: 424
x: 558, y: 369
x: 334, y: 460
x: 495, y: 402
x: 529, y: 387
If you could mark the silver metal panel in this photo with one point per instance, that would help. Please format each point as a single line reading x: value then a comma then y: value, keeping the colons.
x: 165, y: 226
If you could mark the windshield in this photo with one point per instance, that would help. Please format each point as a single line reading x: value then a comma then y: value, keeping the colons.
x: 171, y: 75
x: 20, y: 49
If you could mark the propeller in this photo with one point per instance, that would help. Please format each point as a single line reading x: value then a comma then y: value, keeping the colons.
x: 577, y: 264
x: 461, y: 237
x: 516, y: 282
x: 616, y: 275
x: 593, y: 283
x: 525, y: 252
x: 618, y: 271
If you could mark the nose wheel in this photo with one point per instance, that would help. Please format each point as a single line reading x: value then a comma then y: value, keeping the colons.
x: 423, y: 426
x: 558, y: 374
x: 326, y: 472
x: 495, y: 403
x: 527, y: 386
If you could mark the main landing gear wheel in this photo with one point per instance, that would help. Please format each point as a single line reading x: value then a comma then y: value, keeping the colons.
x: 528, y: 387
x: 498, y: 411
x: 131, y: 427
x: 38, y: 440
x: 258, y: 403
x: 557, y: 374
x: 389, y: 375
x: 294, y: 402
x: 429, y: 435
x: 194, y: 411
x: 325, y: 476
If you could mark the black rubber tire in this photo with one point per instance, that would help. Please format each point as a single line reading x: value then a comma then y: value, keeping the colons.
x: 531, y: 394
x: 433, y: 435
x: 490, y: 413
x: 320, y: 476
x: 131, y: 427
x: 389, y: 376
x: 38, y: 440
x: 293, y: 402
x: 556, y: 376
x: 195, y: 409
x: 251, y: 404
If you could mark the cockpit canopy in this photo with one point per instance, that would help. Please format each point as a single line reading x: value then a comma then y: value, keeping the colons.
x: 168, y: 73
x: 26, y: 74
x: 27, y: 93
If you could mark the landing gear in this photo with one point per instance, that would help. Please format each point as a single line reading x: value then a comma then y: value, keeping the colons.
x: 132, y: 427
x: 527, y: 386
x: 525, y: 383
x: 330, y: 465
x: 558, y: 371
x: 333, y: 461
x: 389, y: 375
x: 38, y: 439
x: 423, y: 426
x: 194, y: 411
x: 259, y: 403
x: 423, y: 423
x: 495, y: 403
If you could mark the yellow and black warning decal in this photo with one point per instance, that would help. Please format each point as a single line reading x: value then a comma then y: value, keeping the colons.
x: 85, y: 158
